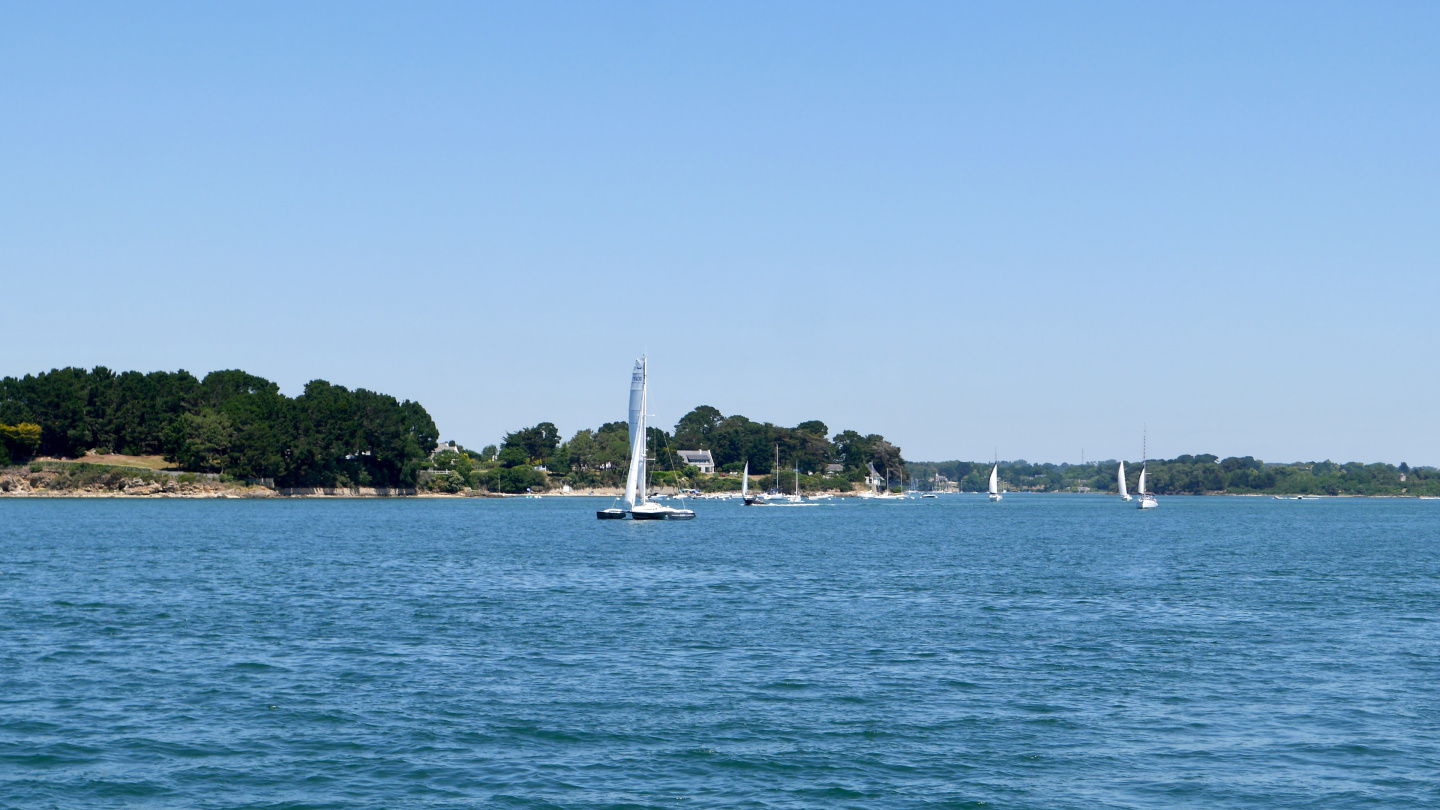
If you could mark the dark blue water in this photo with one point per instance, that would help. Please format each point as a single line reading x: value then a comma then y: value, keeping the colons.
x: 1047, y: 652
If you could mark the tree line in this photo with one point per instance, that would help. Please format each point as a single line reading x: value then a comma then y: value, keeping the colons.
x: 1192, y: 475
x: 230, y: 422
x: 536, y: 457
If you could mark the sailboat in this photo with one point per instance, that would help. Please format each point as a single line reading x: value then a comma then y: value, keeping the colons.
x: 1147, y: 501
x: 995, y: 482
x: 1124, y: 495
x: 636, y: 479
x: 745, y: 489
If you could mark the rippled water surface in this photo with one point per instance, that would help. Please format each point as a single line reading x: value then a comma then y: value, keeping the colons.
x: 1049, y: 651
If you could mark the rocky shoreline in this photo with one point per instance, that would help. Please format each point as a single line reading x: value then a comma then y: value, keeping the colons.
x: 109, y: 482
x: 25, y: 483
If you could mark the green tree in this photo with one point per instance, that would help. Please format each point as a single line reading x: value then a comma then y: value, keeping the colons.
x: 538, y: 443
x: 203, y: 441
x: 695, y: 428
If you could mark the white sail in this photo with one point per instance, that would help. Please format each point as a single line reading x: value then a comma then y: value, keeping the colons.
x: 995, y: 480
x: 745, y: 481
x: 637, y: 397
x: 1123, y: 493
x: 1141, y: 489
x: 635, y: 479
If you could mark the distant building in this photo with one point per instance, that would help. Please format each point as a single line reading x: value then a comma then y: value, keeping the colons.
x: 832, y: 469
x: 699, y: 459
x: 443, y: 446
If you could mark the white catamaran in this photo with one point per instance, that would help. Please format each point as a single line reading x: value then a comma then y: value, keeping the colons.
x: 636, y: 480
x: 1124, y: 494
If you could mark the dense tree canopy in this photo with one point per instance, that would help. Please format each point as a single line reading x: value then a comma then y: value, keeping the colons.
x: 602, y: 456
x: 230, y: 422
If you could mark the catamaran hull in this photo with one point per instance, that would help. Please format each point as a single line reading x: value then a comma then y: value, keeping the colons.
x: 611, y: 514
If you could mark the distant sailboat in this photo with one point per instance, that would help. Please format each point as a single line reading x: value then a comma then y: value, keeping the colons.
x: 745, y: 489
x: 1147, y: 501
x: 1124, y: 495
x: 995, y: 482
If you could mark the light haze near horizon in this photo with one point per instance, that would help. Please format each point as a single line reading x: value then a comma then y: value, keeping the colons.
x: 1028, y: 229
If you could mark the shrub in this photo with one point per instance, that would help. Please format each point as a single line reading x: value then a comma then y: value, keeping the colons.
x: 450, y: 483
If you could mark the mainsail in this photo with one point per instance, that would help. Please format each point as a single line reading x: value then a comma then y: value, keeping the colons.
x: 995, y: 480
x: 745, y: 481
x: 635, y: 479
x: 637, y: 397
x: 1141, y: 489
x: 1123, y: 493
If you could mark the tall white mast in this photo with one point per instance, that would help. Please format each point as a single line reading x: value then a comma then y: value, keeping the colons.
x: 635, y: 479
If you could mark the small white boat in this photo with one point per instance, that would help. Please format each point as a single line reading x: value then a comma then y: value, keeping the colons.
x: 1147, y: 501
x: 995, y: 483
x: 1124, y: 495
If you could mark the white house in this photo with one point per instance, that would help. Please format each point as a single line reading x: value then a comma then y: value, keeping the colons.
x: 700, y: 459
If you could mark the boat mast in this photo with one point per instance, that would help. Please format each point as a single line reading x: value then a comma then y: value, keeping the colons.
x: 644, y: 442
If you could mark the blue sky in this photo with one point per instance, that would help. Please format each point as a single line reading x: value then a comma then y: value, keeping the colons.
x: 1025, y: 227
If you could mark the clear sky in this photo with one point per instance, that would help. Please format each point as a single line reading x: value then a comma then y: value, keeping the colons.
x: 1025, y: 228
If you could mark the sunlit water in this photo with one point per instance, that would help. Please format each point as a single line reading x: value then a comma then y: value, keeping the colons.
x: 1045, y: 652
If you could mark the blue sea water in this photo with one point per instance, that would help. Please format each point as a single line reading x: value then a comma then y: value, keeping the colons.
x: 1045, y: 652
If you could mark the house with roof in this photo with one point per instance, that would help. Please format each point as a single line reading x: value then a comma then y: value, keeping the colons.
x: 700, y: 459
